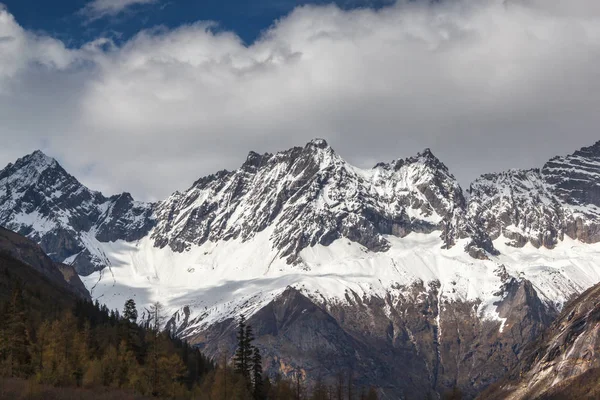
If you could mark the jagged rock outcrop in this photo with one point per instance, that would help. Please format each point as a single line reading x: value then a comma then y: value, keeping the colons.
x: 540, y: 206
x: 562, y: 362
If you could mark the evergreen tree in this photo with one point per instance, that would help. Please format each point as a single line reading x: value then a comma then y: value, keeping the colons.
x: 248, y: 353
x: 88, y: 346
x: 130, y: 312
x: 240, y: 361
x: 257, y: 379
x: 298, y: 387
x: 350, y: 386
x: 339, y: 387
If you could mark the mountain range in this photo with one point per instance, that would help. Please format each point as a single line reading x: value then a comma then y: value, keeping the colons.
x: 381, y: 273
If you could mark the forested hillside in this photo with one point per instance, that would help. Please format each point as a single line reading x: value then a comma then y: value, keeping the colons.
x: 56, y: 344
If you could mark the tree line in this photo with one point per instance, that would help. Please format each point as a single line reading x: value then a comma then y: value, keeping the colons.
x: 90, y: 346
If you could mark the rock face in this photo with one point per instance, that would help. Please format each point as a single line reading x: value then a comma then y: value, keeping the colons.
x: 540, y: 206
x: 29, y: 253
x: 562, y: 363
x: 40, y: 200
x: 411, y: 347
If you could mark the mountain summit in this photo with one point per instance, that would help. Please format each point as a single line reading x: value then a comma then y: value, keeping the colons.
x: 40, y: 200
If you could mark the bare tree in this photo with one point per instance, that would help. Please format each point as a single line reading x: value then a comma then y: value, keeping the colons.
x: 157, y: 320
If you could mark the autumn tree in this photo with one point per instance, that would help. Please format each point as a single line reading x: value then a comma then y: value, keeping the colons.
x: 15, y: 338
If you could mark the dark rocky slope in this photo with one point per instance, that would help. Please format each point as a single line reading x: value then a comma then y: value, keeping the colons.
x: 420, y: 348
x: 563, y: 362
x: 19, y: 248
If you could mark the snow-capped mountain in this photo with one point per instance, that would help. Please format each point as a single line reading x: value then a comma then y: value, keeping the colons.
x: 541, y: 206
x: 311, y: 196
x: 40, y: 200
x: 405, y: 270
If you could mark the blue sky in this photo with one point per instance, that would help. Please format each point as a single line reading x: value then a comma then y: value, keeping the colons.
x: 68, y: 20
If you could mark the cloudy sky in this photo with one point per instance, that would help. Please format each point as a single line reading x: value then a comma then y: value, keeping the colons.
x: 148, y: 95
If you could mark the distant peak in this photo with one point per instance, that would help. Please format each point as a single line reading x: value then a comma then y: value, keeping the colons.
x: 589, y: 151
x: 425, y: 158
x: 426, y: 153
x: 39, y: 159
x: 255, y: 160
x: 39, y: 154
x: 318, y: 143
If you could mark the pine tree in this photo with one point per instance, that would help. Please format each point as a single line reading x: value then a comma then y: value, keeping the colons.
x: 130, y: 312
x: 248, y: 353
x: 298, y: 389
x: 350, y: 386
x: 339, y: 387
x: 257, y: 379
x: 241, y: 356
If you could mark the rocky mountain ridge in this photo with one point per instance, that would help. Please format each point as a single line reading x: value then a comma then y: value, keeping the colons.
x: 541, y: 206
x: 311, y: 196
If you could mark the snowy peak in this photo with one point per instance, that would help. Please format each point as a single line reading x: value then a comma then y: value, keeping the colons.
x: 516, y: 204
x: 37, y: 160
x: 33, y: 170
x: 255, y: 161
x: 427, y: 174
x: 541, y: 206
x: 318, y: 144
x: 575, y: 179
x: 40, y: 200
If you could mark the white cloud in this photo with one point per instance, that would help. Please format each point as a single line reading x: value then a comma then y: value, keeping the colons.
x: 19, y: 49
x: 102, y: 8
x: 488, y: 85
